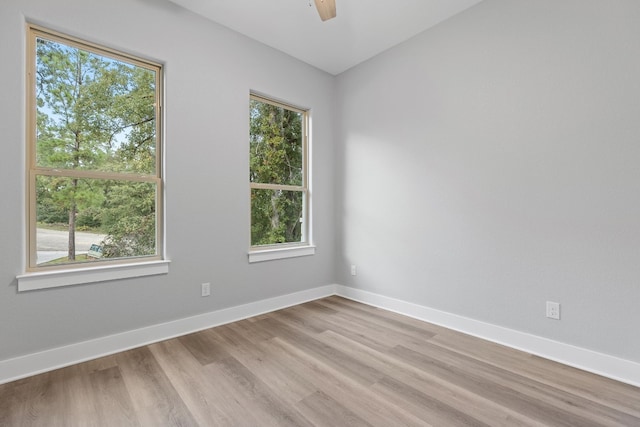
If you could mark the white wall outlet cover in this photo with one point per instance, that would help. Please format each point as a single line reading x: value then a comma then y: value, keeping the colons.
x: 206, y: 289
x: 553, y: 310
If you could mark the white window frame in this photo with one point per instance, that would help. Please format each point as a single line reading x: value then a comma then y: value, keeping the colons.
x: 262, y: 253
x: 40, y: 277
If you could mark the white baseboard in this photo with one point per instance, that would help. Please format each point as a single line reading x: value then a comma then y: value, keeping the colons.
x: 598, y: 363
x: 602, y: 364
x: 48, y: 360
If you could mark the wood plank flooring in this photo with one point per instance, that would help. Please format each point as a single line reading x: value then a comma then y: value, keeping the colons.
x: 331, y: 362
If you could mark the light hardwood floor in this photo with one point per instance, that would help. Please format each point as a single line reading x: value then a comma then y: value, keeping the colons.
x: 331, y: 362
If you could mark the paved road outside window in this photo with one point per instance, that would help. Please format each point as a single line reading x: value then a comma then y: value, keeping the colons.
x: 53, y: 244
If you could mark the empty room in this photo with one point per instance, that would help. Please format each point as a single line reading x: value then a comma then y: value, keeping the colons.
x: 320, y: 213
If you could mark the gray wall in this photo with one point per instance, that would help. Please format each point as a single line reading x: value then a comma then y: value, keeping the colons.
x: 482, y: 168
x: 209, y: 72
x: 491, y: 164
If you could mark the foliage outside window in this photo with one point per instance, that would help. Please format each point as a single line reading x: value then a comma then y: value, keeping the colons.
x: 278, y: 174
x: 93, y: 154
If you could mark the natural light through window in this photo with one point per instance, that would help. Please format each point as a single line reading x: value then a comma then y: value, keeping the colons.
x: 278, y: 175
x: 94, y: 157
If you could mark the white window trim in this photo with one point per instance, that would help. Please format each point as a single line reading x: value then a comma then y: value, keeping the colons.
x: 306, y: 247
x: 260, y: 255
x: 36, y: 278
x: 93, y: 274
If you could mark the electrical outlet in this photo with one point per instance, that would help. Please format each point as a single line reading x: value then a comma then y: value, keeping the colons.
x: 354, y: 271
x: 553, y: 310
x: 206, y: 289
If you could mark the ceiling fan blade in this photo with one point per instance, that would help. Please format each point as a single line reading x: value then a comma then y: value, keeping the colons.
x: 326, y: 9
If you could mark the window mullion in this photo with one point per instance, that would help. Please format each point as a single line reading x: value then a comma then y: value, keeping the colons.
x: 89, y: 174
x: 261, y: 186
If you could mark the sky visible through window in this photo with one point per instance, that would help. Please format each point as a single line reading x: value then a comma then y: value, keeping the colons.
x: 95, y: 177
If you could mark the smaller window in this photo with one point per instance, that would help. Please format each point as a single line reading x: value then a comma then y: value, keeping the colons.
x: 278, y: 175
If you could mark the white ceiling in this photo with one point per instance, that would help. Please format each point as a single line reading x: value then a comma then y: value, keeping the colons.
x: 362, y: 29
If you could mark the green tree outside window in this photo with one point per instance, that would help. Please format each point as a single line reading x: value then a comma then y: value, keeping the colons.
x: 277, y: 173
x: 94, y: 162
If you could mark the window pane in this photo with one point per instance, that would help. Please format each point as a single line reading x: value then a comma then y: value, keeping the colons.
x: 276, y: 148
x: 93, y: 112
x: 276, y: 216
x: 118, y: 217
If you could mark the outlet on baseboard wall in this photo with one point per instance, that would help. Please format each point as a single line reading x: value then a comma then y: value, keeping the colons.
x: 553, y: 310
x: 205, y: 289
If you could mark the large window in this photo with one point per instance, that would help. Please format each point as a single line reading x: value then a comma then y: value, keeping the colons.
x: 94, y: 158
x: 278, y: 175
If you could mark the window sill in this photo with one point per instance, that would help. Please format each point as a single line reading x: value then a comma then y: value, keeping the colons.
x: 270, y: 254
x: 54, y: 279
